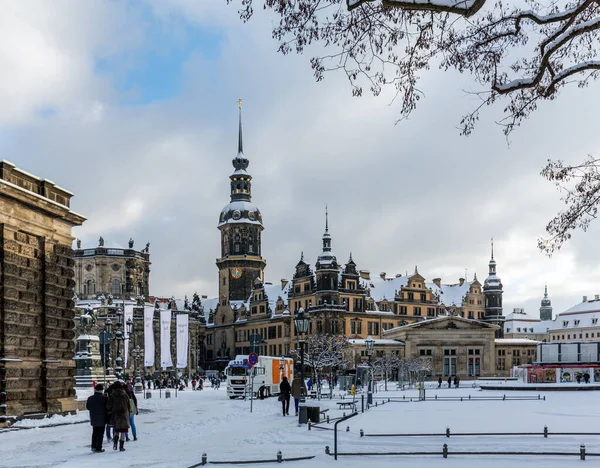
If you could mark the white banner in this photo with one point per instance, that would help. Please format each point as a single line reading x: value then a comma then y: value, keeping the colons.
x: 165, y: 339
x: 128, y: 314
x: 148, y: 336
x: 183, y: 321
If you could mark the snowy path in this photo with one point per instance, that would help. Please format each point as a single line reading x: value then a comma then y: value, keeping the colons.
x: 178, y: 430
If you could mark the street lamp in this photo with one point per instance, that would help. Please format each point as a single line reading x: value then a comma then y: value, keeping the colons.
x: 130, y: 330
x: 119, y: 337
x: 105, y: 339
x: 301, y: 325
x: 137, y: 354
x: 369, y: 343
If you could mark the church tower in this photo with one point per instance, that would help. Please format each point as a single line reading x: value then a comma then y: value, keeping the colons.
x: 546, y: 308
x: 492, y: 291
x: 240, y: 223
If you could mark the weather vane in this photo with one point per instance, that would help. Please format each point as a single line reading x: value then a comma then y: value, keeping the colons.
x: 239, y: 103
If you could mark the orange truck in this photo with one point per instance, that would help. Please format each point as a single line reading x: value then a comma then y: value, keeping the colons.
x: 268, y: 372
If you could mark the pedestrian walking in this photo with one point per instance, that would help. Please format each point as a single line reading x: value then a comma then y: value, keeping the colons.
x: 456, y: 381
x: 440, y: 382
x: 298, y: 391
x: 194, y: 384
x: 109, y: 431
x: 285, y: 390
x: 118, y: 405
x: 96, y: 405
x: 133, y: 411
x: 449, y: 381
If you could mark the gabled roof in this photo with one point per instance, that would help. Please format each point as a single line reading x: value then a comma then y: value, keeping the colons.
x: 437, y: 320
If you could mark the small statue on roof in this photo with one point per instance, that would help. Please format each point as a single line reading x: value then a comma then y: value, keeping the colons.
x: 101, y: 242
x: 131, y: 243
x: 78, y: 243
x: 147, y: 249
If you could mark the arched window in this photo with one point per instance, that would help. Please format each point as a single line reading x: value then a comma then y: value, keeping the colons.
x: 91, y: 287
x: 115, y: 287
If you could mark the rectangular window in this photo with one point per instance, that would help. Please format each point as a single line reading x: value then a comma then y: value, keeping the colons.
x: 417, y: 311
x: 423, y: 297
x: 430, y: 312
x: 411, y: 297
x: 250, y: 249
x: 387, y: 326
x: 402, y: 310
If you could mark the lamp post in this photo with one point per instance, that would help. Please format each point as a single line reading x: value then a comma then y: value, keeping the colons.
x: 369, y: 343
x: 119, y: 337
x: 136, y: 351
x: 105, y: 339
x: 301, y: 325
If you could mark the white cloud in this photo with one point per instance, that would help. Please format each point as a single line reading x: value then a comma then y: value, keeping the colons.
x: 401, y: 195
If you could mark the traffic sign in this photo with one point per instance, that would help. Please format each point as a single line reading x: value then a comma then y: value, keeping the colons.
x: 253, y: 358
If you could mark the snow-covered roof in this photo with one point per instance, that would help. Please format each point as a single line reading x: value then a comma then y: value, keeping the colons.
x: 586, y: 306
x: 515, y: 341
x: 448, y: 294
x: 520, y: 322
x: 377, y: 342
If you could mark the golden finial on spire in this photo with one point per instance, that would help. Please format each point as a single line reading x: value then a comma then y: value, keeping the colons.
x: 239, y: 101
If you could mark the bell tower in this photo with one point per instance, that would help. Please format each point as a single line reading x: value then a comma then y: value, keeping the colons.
x: 240, y: 223
x: 492, y: 291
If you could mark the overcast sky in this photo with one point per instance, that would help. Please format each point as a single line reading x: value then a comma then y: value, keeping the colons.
x: 132, y: 107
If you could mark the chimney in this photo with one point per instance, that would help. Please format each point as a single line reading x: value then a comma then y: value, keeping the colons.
x: 284, y: 283
x: 365, y: 274
x: 461, y: 281
x: 437, y: 282
x: 584, y: 298
x: 382, y: 275
x: 597, y: 297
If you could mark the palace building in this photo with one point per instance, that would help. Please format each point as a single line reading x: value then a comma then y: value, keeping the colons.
x: 252, y: 314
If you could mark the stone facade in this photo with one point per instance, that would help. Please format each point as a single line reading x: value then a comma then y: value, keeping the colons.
x: 122, y: 273
x: 455, y: 346
x: 36, y: 295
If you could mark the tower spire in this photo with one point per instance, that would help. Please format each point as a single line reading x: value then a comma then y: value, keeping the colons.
x: 240, y: 143
x: 326, y: 219
x: 546, y: 290
x: 492, y: 239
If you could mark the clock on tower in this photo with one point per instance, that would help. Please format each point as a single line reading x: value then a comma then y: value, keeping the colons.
x: 236, y: 273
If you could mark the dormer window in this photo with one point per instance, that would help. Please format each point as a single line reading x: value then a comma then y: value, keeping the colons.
x: 594, y: 321
x: 565, y: 323
x: 518, y: 330
x: 576, y: 323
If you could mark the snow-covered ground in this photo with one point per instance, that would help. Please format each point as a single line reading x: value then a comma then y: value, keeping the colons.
x: 176, y: 431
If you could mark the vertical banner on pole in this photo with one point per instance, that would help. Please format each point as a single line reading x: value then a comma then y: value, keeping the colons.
x: 165, y: 338
x: 127, y: 314
x: 148, y: 336
x: 182, y: 340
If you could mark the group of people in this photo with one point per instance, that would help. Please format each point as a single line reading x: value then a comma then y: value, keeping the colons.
x: 296, y: 389
x: 112, y: 408
x: 456, y: 381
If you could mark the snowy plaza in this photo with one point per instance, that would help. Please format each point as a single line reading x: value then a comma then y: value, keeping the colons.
x: 175, y: 432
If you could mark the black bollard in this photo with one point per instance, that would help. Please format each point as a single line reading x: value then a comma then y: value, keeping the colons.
x: 445, y: 451
x: 582, y: 452
x: 203, y: 459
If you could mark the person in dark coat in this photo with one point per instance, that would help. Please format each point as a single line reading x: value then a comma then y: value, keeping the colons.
x: 449, y: 381
x: 285, y: 390
x: 298, y: 391
x: 96, y: 405
x: 440, y: 382
x: 107, y: 393
x: 118, y: 405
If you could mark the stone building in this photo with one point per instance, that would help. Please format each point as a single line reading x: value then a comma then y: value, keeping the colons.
x: 122, y: 273
x: 252, y: 314
x: 36, y: 295
x: 455, y: 345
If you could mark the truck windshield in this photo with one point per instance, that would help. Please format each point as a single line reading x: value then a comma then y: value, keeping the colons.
x: 236, y: 371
